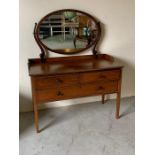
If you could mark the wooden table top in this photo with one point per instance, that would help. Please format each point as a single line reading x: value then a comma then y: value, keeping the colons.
x: 73, y: 64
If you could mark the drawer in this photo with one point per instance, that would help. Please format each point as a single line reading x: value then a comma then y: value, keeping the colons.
x: 109, y: 75
x: 77, y: 91
x: 55, y: 81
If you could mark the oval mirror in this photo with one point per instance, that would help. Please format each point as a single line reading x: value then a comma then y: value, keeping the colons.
x: 67, y: 31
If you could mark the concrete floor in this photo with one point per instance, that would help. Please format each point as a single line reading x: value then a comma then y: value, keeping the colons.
x: 86, y: 129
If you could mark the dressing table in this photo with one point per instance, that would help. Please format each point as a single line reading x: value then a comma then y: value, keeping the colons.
x: 60, y: 78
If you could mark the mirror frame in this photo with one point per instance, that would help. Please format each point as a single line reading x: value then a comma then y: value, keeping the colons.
x: 44, y: 48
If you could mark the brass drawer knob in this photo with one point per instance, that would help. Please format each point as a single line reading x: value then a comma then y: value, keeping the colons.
x: 103, y: 76
x: 59, y: 93
x: 101, y: 88
x: 59, y: 80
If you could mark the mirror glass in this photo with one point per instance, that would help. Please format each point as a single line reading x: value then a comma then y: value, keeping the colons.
x: 68, y: 31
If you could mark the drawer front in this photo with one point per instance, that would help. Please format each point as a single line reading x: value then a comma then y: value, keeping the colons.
x: 75, y: 79
x: 77, y: 91
x: 110, y: 75
x: 55, y: 81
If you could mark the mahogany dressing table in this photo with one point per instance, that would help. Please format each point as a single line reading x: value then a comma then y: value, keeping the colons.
x: 61, y: 78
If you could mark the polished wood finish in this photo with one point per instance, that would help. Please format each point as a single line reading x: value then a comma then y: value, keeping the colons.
x: 72, y: 65
x: 76, y: 90
x: 72, y: 77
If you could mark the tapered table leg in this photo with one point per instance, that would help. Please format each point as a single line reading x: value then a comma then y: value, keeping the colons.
x: 118, y: 105
x: 35, y: 105
x: 118, y: 97
x: 36, y: 116
x: 103, y: 98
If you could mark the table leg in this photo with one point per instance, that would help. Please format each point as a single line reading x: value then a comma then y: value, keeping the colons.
x: 118, y: 105
x: 35, y: 105
x: 103, y: 98
x: 36, y: 116
x: 118, y: 97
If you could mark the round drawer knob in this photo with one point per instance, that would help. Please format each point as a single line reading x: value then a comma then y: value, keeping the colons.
x: 59, y: 80
x: 101, y: 88
x: 103, y: 76
x: 59, y: 93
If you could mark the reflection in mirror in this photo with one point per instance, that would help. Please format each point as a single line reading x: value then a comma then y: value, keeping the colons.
x: 69, y: 30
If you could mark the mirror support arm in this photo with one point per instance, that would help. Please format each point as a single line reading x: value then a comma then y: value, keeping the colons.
x: 42, y: 54
x: 97, y: 40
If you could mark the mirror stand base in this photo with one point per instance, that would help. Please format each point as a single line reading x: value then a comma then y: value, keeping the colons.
x: 42, y: 57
